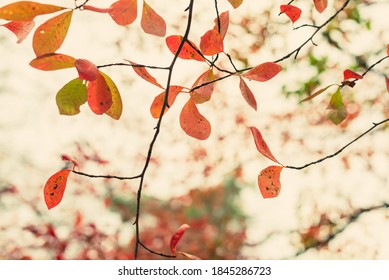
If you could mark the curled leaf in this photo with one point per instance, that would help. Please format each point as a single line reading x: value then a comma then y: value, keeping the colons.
x: 193, y: 123
x: 188, y: 51
x: 20, y: 28
x: 320, y: 5
x: 124, y: 12
x: 348, y: 74
x: 291, y: 11
x: 247, y: 94
x: 177, y: 237
x: 269, y: 181
x: 211, y: 43
x: 151, y: 22
x: 71, y: 96
x: 53, y: 61
x: 261, y: 144
x: 55, y: 188
x: 263, y: 72
x: 86, y: 70
x: 26, y: 10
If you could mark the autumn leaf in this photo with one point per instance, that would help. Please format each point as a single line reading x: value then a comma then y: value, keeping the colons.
x: 235, y: 3
x: 247, y: 94
x: 261, y: 144
x: 336, y: 111
x: 320, y: 5
x: 66, y: 157
x: 124, y: 12
x: 151, y: 22
x: 203, y: 93
x: 20, y: 28
x: 387, y: 83
x: 269, y: 181
x: 99, y: 95
x: 348, y: 74
x: 263, y: 72
x: 96, y: 9
x: 53, y: 61
x: 50, y: 35
x: 55, y: 188
x: 115, y: 111
x: 156, y: 106
x: 187, y: 51
x: 71, y: 96
x: 224, y: 19
x: 193, y: 123
x: 188, y: 256
x: 86, y: 70
x: 177, y: 237
x: 144, y: 74
x: 291, y: 11
x: 211, y: 43
x: 387, y: 49
x: 26, y: 10
x: 318, y: 92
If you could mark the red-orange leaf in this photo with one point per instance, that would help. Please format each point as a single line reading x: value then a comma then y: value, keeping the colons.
x: 387, y: 49
x: 348, y: 74
x: 152, y: 23
x: 99, y: 95
x: 26, y: 10
x: 55, y: 188
x: 156, y: 106
x: 387, y: 83
x: 291, y: 11
x: 224, y: 19
x: 211, y: 43
x: 247, y: 94
x: 263, y: 72
x: 86, y: 70
x: 50, y: 35
x: 235, y: 3
x: 269, y: 181
x: 144, y: 74
x: 187, y: 51
x: 203, y: 93
x: 193, y: 123
x: 320, y: 5
x: 177, y: 237
x: 53, y: 61
x: 124, y: 12
x: 261, y: 144
x: 20, y: 28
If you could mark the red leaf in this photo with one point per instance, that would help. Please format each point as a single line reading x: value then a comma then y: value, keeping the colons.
x: 235, y: 3
x: 26, y: 10
x: 96, y: 9
x: 187, y: 51
x: 263, y: 72
x: 387, y: 83
x: 269, y: 181
x: 291, y: 11
x: 247, y: 94
x: 320, y: 5
x: 261, y: 144
x: 177, y: 237
x: 53, y: 61
x: 151, y: 22
x: 124, y: 12
x: 348, y: 74
x: 193, y: 123
x: 204, y: 93
x: 20, y: 28
x: 86, y: 70
x: 156, y: 106
x: 66, y: 157
x: 55, y: 188
x: 144, y: 74
x: 224, y: 19
x: 211, y: 43
x: 387, y: 49
x: 99, y: 95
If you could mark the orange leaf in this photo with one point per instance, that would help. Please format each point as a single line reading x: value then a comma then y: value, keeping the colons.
x: 387, y: 49
x: 320, y: 5
x: 269, y: 181
x: 20, y: 28
x: 177, y: 237
x: 53, y: 61
x: 189, y: 256
x: 247, y: 94
x: 124, y: 12
x: 387, y: 83
x: 26, y: 10
x: 55, y: 188
x: 348, y: 74
x: 211, y: 43
x: 224, y: 19
x: 156, y: 106
x: 50, y: 35
x: 187, y: 51
x: 263, y: 72
x: 193, y: 123
x: 261, y: 144
x: 235, y: 3
x: 144, y: 74
x: 204, y: 93
x: 291, y: 11
x: 152, y: 23
x: 86, y: 70
x: 99, y: 95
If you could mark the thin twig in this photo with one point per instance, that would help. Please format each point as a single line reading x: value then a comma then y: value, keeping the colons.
x: 106, y: 176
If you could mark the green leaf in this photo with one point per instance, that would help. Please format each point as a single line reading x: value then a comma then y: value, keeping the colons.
x: 71, y: 97
x: 336, y: 111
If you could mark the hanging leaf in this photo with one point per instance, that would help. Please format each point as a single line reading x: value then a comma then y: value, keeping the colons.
x: 189, y: 256
x: 144, y: 74
x: 336, y: 111
x: 269, y: 181
x: 115, y: 111
x: 204, y: 93
x: 387, y: 49
x: 187, y: 51
x: 224, y: 19
x: 211, y: 43
x: 99, y: 95
x: 348, y: 74
x: 387, y: 83
x: 156, y: 106
x: 247, y: 94
x: 53, y: 61
x: 263, y: 72
x: 151, y: 22
x: 291, y: 11
x: 193, y: 123
x: 320, y: 5
x: 20, y: 28
x: 86, y: 70
x: 71, y: 97
x: 55, y: 188
x: 177, y: 237
x: 26, y: 10
x: 124, y: 12
x: 235, y: 3
x: 66, y: 157
x: 50, y: 35
x: 261, y: 144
